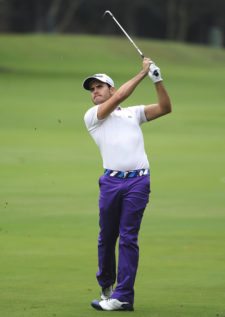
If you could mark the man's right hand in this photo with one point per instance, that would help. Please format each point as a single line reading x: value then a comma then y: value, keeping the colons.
x: 146, y: 64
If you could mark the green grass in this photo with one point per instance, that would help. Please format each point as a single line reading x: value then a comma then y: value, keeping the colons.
x: 49, y: 168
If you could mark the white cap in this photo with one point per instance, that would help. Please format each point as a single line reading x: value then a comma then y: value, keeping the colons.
x: 101, y: 77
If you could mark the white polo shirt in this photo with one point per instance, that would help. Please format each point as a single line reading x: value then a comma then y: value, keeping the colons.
x: 119, y: 137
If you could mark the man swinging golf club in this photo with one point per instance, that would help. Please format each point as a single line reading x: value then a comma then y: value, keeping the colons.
x: 125, y: 184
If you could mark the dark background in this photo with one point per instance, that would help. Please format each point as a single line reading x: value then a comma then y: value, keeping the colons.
x: 194, y: 21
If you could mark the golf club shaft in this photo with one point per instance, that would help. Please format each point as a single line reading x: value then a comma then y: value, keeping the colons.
x: 127, y: 35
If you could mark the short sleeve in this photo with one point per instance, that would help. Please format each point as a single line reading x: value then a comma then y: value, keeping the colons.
x: 139, y: 112
x: 91, y: 119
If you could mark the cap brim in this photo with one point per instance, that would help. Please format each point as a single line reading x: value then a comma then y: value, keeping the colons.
x: 86, y: 83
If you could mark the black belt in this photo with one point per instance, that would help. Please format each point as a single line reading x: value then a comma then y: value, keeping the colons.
x: 127, y: 174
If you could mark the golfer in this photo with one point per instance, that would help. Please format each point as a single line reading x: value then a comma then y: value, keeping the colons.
x: 125, y: 184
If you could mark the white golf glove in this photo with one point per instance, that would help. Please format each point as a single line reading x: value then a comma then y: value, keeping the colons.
x: 154, y: 73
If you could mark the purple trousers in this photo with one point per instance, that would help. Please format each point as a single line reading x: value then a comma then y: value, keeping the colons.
x: 121, y: 203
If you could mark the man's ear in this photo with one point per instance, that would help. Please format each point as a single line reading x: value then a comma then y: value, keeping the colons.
x: 112, y: 90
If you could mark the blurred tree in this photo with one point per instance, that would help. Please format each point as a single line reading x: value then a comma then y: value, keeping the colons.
x: 5, y: 9
x: 187, y: 19
x: 52, y: 14
x: 184, y: 18
x: 39, y: 17
x: 61, y: 13
x: 69, y: 14
x: 171, y: 21
x: 55, y: 15
x: 181, y: 20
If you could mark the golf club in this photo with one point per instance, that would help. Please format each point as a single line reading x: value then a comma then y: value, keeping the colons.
x: 127, y: 35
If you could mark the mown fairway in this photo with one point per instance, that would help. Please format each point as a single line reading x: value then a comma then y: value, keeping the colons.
x: 49, y: 168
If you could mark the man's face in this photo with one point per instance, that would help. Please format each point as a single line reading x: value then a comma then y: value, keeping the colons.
x: 100, y: 92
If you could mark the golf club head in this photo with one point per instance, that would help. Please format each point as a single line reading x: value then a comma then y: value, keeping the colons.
x: 107, y: 12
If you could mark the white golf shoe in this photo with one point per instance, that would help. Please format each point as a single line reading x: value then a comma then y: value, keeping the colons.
x: 112, y: 304
x: 106, y: 292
